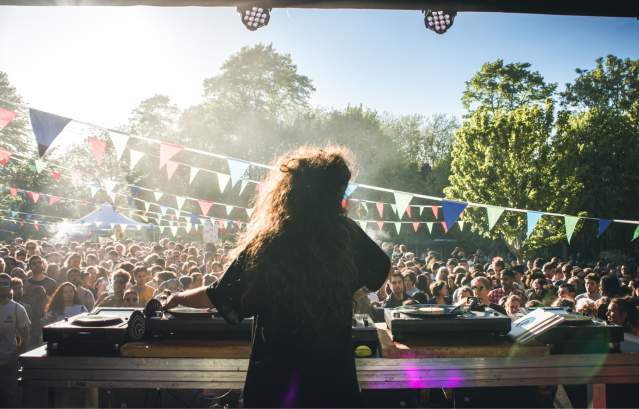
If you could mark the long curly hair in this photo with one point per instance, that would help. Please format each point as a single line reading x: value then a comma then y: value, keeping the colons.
x: 56, y: 304
x: 299, y: 234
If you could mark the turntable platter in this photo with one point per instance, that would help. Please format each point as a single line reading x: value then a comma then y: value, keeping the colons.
x: 188, y: 312
x: 426, y: 311
x: 96, y: 321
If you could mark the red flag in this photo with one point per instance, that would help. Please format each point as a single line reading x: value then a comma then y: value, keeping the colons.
x: 344, y: 204
x: 97, y: 147
x: 461, y: 215
x: 415, y: 226
x: 380, y: 209
x: 13, y: 191
x: 409, y: 212
x: 55, y: 174
x: 445, y: 226
x: 6, y: 116
x: 171, y: 167
x: 380, y: 224
x: 4, y: 157
x: 205, y: 206
x: 167, y: 151
x: 53, y: 200
x: 435, y: 211
x: 36, y: 226
x: 34, y: 196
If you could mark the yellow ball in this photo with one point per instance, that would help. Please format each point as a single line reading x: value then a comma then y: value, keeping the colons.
x: 363, y: 351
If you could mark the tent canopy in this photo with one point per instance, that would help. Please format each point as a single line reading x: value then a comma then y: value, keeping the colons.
x: 105, y: 214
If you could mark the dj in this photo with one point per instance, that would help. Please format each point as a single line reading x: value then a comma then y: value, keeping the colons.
x: 295, y: 271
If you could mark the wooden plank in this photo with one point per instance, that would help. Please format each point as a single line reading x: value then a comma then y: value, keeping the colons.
x: 229, y: 349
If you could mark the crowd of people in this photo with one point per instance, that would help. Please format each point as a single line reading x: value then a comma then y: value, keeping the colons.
x: 43, y: 282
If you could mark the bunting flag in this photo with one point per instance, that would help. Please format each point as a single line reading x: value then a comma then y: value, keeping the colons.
x: 180, y: 201
x: 435, y: 210
x: 174, y: 230
x: 205, y: 206
x: 635, y: 234
x: 171, y: 167
x: 5, y: 155
x: 168, y: 151
x: 415, y: 226
x: 380, y: 224
x: 188, y: 227
x: 243, y: 184
x: 134, y: 158
x: 162, y: 229
x: 194, y: 219
x: 163, y: 210
x: 193, y: 173
x: 147, y: 206
x: 402, y: 200
x: 409, y: 212
x: 494, y: 213
x: 222, y: 181
x: 39, y: 165
x: 461, y: 225
x: 6, y: 116
x: 56, y: 175
x: 36, y: 225
x: 46, y: 127
x: 569, y: 223
x: 350, y: 189
x: 380, y: 209
x: 249, y: 212
x: 53, y: 200
x: 451, y: 211
x: 98, y: 147
x: 445, y: 227
x: 398, y: 227
x: 112, y: 197
x: 158, y: 195
x: 430, y: 227
x: 362, y: 224
x: 603, y: 225
x: 394, y: 207
x: 123, y: 227
x: 93, y: 190
x: 229, y: 209
x: 532, y: 218
x: 119, y: 141
x: 13, y: 191
x: 34, y: 196
x: 237, y: 169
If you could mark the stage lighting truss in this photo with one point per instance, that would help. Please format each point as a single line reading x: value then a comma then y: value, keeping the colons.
x: 254, y: 17
x: 439, y: 21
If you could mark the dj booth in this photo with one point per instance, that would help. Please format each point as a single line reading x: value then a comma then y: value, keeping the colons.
x: 467, y: 360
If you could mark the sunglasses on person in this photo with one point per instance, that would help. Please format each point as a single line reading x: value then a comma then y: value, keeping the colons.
x: 478, y: 287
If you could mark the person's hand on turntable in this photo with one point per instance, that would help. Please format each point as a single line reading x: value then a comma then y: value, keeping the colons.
x: 169, y: 300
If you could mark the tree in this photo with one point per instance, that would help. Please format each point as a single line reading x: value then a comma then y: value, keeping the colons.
x: 155, y: 117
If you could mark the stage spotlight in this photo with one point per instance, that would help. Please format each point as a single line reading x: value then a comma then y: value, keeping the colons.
x: 254, y: 17
x: 439, y: 21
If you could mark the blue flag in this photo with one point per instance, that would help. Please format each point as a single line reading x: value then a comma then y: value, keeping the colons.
x: 532, y: 218
x: 237, y: 169
x: 451, y: 211
x: 603, y: 225
x: 46, y: 128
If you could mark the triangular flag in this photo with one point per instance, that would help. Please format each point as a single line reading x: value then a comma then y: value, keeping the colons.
x: 119, y: 141
x: 421, y: 210
x: 174, y: 230
x: 409, y: 212
x: 170, y: 168
x: 394, y: 207
x: 494, y: 213
x: 532, y: 218
x: 222, y: 181
x: 461, y: 224
x: 4, y: 155
x: 380, y: 224
x: 445, y: 227
x: 402, y: 200
x: 435, y: 210
x: 135, y: 157
x: 13, y: 191
x: 249, y: 212
x: 39, y: 165
x: 205, y: 206
x: 362, y: 224
x: 188, y: 228
x: 98, y: 224
x: 180, y: 201
x: 112, y: 196
x: 603, y: 225
x: 53, y: 200
x: 55, y: 174
x: 569, y: 223
x: 36, y: 225
x: 430, y: 227
x: 415, y: 226
x: 635, y: 234
x: 123, y: 227
x: 34, y: 196
x: 380, y: 209
x: 398, y: 227
x: 350, y: 189
x: 163, y: 210
x: 229, y: 209
x: 147, y: 206
x: 237, y: 169
x: 46, y: 127
x: 93, y: 190
x: 162, y: 229
x: 193, y: 173
x: 97, y: 147
x: 6, y: 116
x: 243, y: 184
x: 167, y: 151
x: 452, y: 211
x: 109, y: 185
x: 158, y: 195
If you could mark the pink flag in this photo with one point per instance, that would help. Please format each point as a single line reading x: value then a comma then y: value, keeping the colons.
x: 435, y: 211
x: 34, y: 196
x: 409, y: 212
x: 380, y: 224
x: 445, y: 226
x: 171, y: 167
x: 53, y: 200
x: 344, y: 203
x: 97, y: 147
x: 55, y: 174
x: 36, y: 225
x: 380, y: 209
x: 205, y: 206
x: 4, y: 157
x: 415, y: 226
x: 6, y: 116
x: 167, y: 151
x: 13, y: 191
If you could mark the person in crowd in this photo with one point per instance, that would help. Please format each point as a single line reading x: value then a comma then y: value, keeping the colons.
x: 609, y: 286
x: 131, y: 299
x: 14, y: 338
x: 481, y: 287
x: 397, y: 296
x: 623, y: 311
x: 585, y: 306
x: 601, y: 308
x: 514, y: 306
x: 64, y: 303
x: 440, y: 293
x: 142, y: 277
x: 121, y: 279
x: 74, y: 276
x: 507, y: 279
x: 54, y: 272
x: 38, y: 267
x: 566, y: 291
x: 18, y: 272
x: 17, y: 289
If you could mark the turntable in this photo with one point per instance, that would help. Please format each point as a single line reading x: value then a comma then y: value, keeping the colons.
x: 420, y: 320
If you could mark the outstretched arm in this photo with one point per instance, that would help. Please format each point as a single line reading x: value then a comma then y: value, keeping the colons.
x: 195, y: 298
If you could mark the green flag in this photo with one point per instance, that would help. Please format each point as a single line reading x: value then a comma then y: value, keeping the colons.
x: 494, y: 213
x: 636, y: 233
x: 570, y: 222
x: 430, y: 227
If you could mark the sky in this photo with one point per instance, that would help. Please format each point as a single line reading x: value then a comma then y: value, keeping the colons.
x: 97, y: 63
